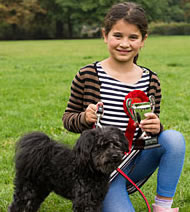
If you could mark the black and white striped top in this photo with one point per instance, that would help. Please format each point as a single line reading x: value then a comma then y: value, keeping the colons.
x: 85, y: 90
x: 113, y: 92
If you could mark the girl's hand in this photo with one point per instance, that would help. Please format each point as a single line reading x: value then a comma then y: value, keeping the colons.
x: 151, y: 123
x: 90, y: 113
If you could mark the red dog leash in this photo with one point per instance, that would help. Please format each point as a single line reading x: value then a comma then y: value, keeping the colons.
x: 126, y: 177
x: 126, y: 161
x: 99, y: 113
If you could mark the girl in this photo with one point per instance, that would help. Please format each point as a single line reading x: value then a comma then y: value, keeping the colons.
x: 109, y: 81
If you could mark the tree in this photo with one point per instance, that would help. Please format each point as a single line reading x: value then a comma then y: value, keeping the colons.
x: 78, y: 13
x: 55, y: 16
x: 20, y: 14
x: 67, y: 18
x: 185, y: 4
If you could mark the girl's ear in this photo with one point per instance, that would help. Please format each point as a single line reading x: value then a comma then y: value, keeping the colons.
x: 104, y: 35
x: 143, y: 41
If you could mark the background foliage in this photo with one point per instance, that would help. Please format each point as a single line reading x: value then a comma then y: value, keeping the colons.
x: 37, y: 19
x: 35, y: 77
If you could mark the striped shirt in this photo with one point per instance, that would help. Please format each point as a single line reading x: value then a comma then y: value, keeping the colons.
x: 113, y: 92
x: 85, y: 90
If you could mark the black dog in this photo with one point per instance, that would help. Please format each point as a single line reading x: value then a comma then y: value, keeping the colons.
x: 81, y: 174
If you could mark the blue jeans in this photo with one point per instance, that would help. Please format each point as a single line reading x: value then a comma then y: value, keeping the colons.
x: 169, y: 159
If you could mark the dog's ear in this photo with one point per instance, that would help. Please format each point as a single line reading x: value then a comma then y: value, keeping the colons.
x: 84, y: 146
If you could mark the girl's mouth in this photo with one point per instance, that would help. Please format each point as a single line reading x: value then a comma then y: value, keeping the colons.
x: 123, y: 51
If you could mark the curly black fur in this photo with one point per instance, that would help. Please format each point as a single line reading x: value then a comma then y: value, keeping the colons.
x: 81, y: 174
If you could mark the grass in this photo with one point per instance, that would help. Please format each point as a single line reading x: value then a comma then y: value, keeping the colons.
x: 35, y: 77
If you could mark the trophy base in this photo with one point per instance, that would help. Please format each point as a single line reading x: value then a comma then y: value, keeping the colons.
x: 146, y: 143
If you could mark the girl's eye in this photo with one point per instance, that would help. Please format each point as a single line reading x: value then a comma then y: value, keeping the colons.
x: 133, y: 37
x: 117, y: 35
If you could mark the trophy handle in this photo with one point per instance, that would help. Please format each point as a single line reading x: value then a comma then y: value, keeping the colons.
x: 128, y: 104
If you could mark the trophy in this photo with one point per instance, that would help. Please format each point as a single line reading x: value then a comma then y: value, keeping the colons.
x: 136, y: 112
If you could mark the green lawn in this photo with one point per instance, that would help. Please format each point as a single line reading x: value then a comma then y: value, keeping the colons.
x: 35, y: 79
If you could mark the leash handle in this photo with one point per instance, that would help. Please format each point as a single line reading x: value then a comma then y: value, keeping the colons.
x: 126, y: 177
x: 99, y: 114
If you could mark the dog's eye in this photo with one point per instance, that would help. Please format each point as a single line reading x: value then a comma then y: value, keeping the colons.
x: 117, y: 145
x: 104, y: 146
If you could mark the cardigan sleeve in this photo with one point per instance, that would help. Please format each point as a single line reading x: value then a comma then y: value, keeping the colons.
x: 74, y: 115
x: 155, y: 90
x: 84, y: 91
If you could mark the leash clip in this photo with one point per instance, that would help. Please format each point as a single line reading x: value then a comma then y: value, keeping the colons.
x: 99, y: 114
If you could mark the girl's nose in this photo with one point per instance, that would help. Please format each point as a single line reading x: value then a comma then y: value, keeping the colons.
x: 124, y: 44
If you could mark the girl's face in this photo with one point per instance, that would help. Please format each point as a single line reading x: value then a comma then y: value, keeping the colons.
x: 124, y: 41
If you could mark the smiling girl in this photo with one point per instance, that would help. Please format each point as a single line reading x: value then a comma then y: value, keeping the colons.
x: 109, y: 81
